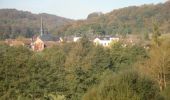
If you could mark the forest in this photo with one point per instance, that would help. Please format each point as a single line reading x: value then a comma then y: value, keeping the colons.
x: 123, y: 21
x: 128, y: 20
x: 84, y: 71
x: 14, y: 23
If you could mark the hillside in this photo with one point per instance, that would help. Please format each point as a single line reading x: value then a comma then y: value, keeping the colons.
x: 128, y: 20
x: 14, y: 23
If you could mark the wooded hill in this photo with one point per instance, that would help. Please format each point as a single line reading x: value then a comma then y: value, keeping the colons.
x: 14, y: 23
x: 128, y: 20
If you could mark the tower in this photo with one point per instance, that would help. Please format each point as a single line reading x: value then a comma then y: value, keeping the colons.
x: 42, y: 29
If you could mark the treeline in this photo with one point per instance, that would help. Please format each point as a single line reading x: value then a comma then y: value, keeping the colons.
x: 14, y: 23
x: 75, y: 71
x: 128, y: 20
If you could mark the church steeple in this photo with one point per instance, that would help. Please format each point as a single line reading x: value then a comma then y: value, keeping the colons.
x: 42, y: 29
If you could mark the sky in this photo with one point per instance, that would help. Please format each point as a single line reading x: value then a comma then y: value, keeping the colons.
x: 74, y: 9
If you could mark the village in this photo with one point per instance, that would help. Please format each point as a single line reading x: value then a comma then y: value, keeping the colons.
x: 47, y: 40
x: 84, y: 50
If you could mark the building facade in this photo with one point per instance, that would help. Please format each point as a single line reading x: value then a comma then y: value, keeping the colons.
x: 105, y: 41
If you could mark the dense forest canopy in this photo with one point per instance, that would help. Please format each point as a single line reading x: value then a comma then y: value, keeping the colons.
x: 14, y: 23
x: 83, y: 71
x: 128, y: 20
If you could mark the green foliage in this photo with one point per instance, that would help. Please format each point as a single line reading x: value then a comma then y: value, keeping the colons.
x: 99, y: 59
x: 69, y: 70
x: 28, y: 75
x: 55, y: 56
x: 126, y: 56
x: 156, y: 33
x: 78, y: 53
x: 82, y: 81
x: 157, y: 66
x: 124, y: 86
x: 129, y: 20
x: 13, y: 70
x: 94, y: 15
x: 14, y: 23
x: 165, y: 93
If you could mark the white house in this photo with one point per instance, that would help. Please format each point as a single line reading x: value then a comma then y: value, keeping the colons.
x: 106, y: 41
x: 75, y: 39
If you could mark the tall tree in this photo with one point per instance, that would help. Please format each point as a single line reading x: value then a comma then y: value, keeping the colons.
x: 158, y: 64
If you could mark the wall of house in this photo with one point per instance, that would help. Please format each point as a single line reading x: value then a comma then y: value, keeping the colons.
x: 38, y: 45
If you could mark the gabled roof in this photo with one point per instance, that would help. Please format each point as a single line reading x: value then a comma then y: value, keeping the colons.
x: 49, y: 37
x: 104, y: 38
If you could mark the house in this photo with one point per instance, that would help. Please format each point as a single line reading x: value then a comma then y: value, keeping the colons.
x: 14, y: 42
x: 19, y: 42
x: 27, y: 42
x: 38, y: 44
x: 105, y: 41
x: 44, y: 40
x: 75, y: 39
x: 131, y: 40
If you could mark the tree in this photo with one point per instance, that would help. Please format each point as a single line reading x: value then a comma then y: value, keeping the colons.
x: 99, y: 59
x: 77, y: 54
x: 157, y: 66
x: 159, y: 61
x: 128, y: 85
x: 126, y: 56
x: 156, y: 33
x: 13, y: 70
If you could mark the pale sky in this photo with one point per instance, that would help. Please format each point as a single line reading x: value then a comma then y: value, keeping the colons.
x: 74, y: 9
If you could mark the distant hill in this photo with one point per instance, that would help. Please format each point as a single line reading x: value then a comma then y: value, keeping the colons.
x: 94, y: 14
x: 128, y: 20
x: 14, y: 23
